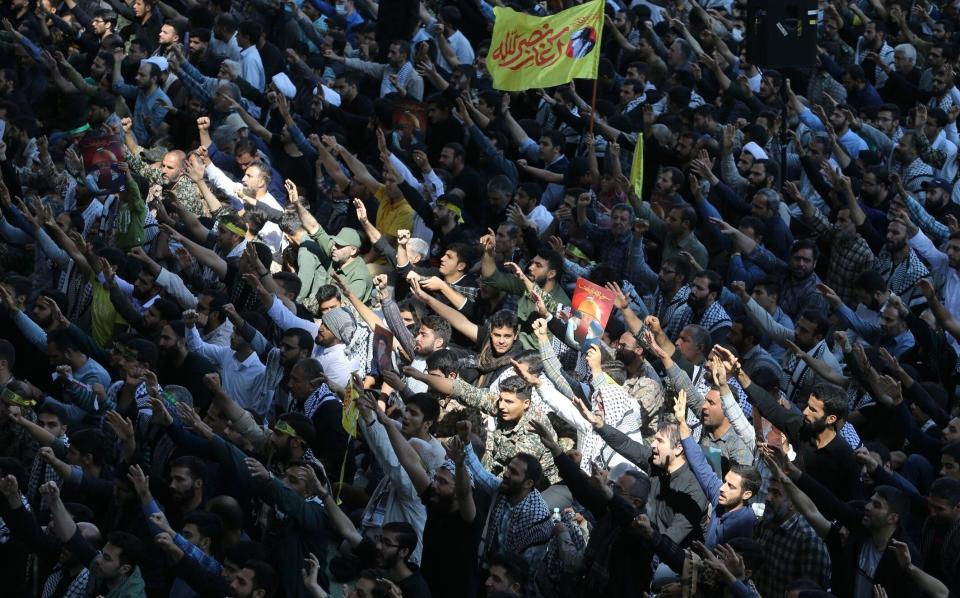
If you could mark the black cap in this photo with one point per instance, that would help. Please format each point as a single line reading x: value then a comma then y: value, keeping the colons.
x: 937, y: 182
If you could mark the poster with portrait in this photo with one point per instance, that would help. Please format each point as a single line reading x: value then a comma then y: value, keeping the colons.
x: 101, y: 156
x: 382, y: 351
x: 590, y: 311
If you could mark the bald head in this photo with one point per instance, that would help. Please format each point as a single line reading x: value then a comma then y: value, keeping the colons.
x: 172, y: 165
x: 90, y: 532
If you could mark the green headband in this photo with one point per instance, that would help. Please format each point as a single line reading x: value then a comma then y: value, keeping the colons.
x: 233, y: 228
x: 15, y: 399
x: 79, y: 130
x: 574, y: 251
x: 285, y: 428
x: 453, y: 208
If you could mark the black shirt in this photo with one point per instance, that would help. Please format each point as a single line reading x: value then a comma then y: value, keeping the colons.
x: 450, y: 551
x: 414, y: 586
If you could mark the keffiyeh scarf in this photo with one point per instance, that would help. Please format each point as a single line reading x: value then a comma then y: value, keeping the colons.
x: 529, y: 524
x: 618, y: 409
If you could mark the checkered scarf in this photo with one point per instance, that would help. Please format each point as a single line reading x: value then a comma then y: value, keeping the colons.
x: 713, y: 318
x: 318, y: 397
x: 902, y: 278
x: 76, y: 589
x: 42, y: 472
x: 386, y: 87
x: 553, y: 562
x: 618, y: 409
x: 529, y: 526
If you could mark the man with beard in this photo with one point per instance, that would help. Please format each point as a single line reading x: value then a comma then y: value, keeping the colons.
x: 255, y: 579
x: 343, y: 249
x: 171, y: 176
x: 943, y: 93
x: 672, y: 289
x: 545, y: 271
x: 827, y: 457
x: 729, y: 497
x: 642, y: 383
x: 798, y: 292
x: 151, y: 102
x: 452, y: 532
x: 114, y: 569
x: 908, y: 164
x: 393, y: 548
x: 311, y: 396
x: 793, y: 549
x: 613, y: 549
x: 451, y: 513
x: 850, y: 254
x: 703, y: 308
x: 187, y: 479
x: 240, y: 368
x: 295, y: 345
x: 943, y: 265
x: 186, y: 490
x: 199, y: 54
x: 674, y: 232
x: 677, y: 503
x: 889, y: 331
x: 515, y: 503
x: 873, y: 41
x: 938, y: 205
x: 68, y: 576
x: 294, y: 490
x: 180, y: 367
x: 745, y: 336
x: 939, y: 537
x: 144, y: 291
x: 809, y: 336
x: 621, y: 245
x: 252, y: 193
x: 445, y: 219
x: 898, y: 270
x: 858, y: 537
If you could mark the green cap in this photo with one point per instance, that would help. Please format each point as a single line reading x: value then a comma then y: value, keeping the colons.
x: 347, y: 237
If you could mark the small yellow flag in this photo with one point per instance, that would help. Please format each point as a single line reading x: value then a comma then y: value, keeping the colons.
x: 528, y: 52
x: 636, y: 169
x: 351, y: 411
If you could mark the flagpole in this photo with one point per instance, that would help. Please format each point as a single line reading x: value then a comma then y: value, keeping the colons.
x: 593, y: 104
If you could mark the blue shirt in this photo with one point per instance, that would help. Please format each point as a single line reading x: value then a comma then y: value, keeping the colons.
x: 737, y: 523
x: 149, y: 109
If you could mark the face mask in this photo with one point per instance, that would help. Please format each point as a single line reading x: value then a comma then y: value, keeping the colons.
x: 737, y: 34
x: 341, y: 9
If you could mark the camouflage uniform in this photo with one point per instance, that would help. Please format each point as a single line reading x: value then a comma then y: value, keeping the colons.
x: 184, y: 189
x: 504, y: 443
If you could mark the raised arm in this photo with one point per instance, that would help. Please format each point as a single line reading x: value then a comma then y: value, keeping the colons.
x: 456, y: 319
x: 408, y: 457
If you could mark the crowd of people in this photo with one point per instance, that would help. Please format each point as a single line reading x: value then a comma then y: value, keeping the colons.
x: 285, y: 304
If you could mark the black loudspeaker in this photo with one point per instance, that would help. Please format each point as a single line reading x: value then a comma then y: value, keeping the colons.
x: 781, y: 33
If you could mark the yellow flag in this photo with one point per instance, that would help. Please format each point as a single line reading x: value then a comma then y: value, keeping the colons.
x: 528, y: 52
x: 636, y: 169
x: 351, y: 411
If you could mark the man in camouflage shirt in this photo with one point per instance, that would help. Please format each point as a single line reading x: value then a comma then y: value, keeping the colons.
x: 171, y: 175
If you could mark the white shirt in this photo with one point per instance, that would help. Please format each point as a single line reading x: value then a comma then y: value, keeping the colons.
x: 337, y: 367
x: 542, y: 217
x: 241, y: 380
x: 949, y: 169
x: 219, y: 179
x: 946, y: 276
x: 251, y: 68
x: 229, y: 49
